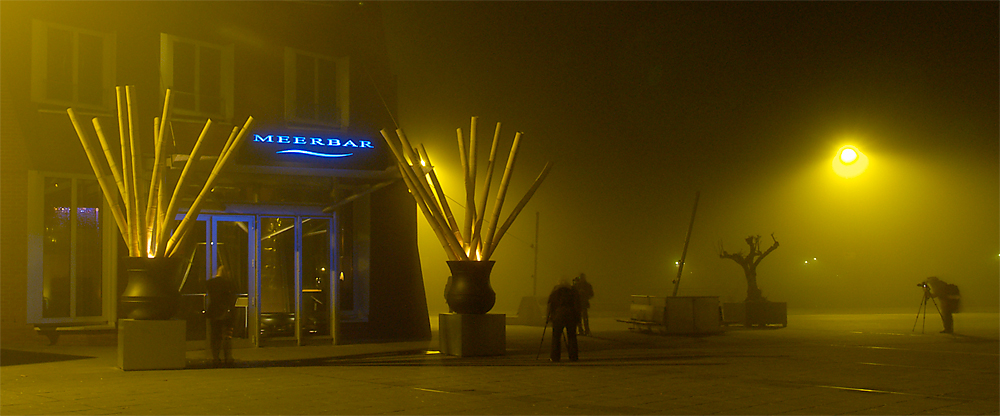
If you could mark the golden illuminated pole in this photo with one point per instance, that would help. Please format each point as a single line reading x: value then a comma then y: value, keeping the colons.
x: 420, y: 180
x: 451, y: 245
x: 470, y: 187
x: 129, y: 178
x: 232, y: 146
x: 130, y: 241
x: 501, y: 194
x: 115, y: 173
x: 152, y: 210
x: 173, y: 243
x: 477, y: 229
x: 452, y: 223
x: 438, y: 231
x: 517, y: 209
x: 102, y: 180
x: 463, y: 157
x: 173, y: 207
x: 151, y: 202
x: 140, y: 204
x: 424, y: 189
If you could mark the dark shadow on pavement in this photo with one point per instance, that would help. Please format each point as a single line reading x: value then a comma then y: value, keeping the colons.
x: 16, y: 357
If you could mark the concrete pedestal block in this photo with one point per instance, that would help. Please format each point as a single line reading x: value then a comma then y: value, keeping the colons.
x: 471, y: 335
x: 151, y: 344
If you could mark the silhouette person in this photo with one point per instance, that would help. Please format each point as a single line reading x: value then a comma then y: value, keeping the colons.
x: 221, y: 301
x: 564, y: 313
x: 585, y: 292
x: 949, y: 296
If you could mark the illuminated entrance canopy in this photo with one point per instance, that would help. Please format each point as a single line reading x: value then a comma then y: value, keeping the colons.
x: 317, y: 150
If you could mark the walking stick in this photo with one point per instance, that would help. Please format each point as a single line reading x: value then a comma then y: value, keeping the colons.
x: 542, y: 342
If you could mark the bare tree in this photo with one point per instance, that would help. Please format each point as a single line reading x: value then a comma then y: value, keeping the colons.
x: 749, y: 263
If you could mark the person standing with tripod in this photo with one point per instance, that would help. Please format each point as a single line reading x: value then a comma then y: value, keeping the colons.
x: 950, y: 299
x: 564, y: 314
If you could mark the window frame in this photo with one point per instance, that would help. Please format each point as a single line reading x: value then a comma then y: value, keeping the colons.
x: 226, y: 76
x: 342, y: 65
x: 39, y: 66
x: 36, y: 232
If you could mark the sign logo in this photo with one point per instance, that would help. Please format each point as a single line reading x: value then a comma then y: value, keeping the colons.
x: 314, y: 146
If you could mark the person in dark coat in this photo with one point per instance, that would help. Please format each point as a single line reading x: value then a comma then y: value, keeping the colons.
x: 564, y: 314
x: 949, y: 296
x: 219, y: 312
x: 585, y: 292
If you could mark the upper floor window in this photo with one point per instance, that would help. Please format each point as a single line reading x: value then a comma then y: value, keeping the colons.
x: 71, y: 66
x: 316, y: 89
x: 199, y: 75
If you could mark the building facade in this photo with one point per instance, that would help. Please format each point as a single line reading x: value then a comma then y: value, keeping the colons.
x: 311, y: 215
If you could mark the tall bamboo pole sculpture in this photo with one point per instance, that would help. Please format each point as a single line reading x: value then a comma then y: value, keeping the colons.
x: 145, y: 219
x: 460, y: 243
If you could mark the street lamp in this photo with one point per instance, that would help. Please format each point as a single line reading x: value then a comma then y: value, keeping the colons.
x: 849, y: 162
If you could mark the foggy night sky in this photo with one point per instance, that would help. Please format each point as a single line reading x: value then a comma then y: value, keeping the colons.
x: 641, y: 104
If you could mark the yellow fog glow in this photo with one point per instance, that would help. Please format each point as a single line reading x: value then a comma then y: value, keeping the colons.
x: 849, y: 162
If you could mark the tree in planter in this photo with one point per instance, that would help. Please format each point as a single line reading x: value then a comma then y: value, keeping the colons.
x: 749, y: 263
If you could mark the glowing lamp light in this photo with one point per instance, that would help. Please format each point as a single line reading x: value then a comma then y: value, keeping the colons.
x: 848, y: 156
x: 849, y: 162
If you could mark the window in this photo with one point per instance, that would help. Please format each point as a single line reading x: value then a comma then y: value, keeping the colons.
x: 199, y: 75
x: 72, y: 67
x: 316, y: 89
x: 70, y: 263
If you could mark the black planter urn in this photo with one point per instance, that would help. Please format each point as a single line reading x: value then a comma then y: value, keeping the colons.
x: 468, y: 290
x: 151, y: 292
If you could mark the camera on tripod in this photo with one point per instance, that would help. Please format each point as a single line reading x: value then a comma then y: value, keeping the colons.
x: 923, y: 305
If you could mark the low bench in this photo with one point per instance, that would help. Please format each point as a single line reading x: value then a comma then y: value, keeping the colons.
x: 52, y: 331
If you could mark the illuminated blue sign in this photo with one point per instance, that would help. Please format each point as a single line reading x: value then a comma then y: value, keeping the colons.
x: 308, y: 149
x: 314, y: 144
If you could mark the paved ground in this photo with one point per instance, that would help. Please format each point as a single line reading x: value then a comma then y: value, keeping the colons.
x: 819, y: 364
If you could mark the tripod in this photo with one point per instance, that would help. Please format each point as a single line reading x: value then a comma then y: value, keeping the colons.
x: 923, y: 307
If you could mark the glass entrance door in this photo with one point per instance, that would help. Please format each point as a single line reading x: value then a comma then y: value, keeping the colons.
x: 278, y: 285
x: 284, y: 266
x: 317, y: 279
x: 296, y: 285
x: 233, y: 245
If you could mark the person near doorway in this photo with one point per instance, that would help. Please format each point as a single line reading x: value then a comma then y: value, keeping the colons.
x: 584, y: 292
x: 564, y: 314
x: 220, y: 315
